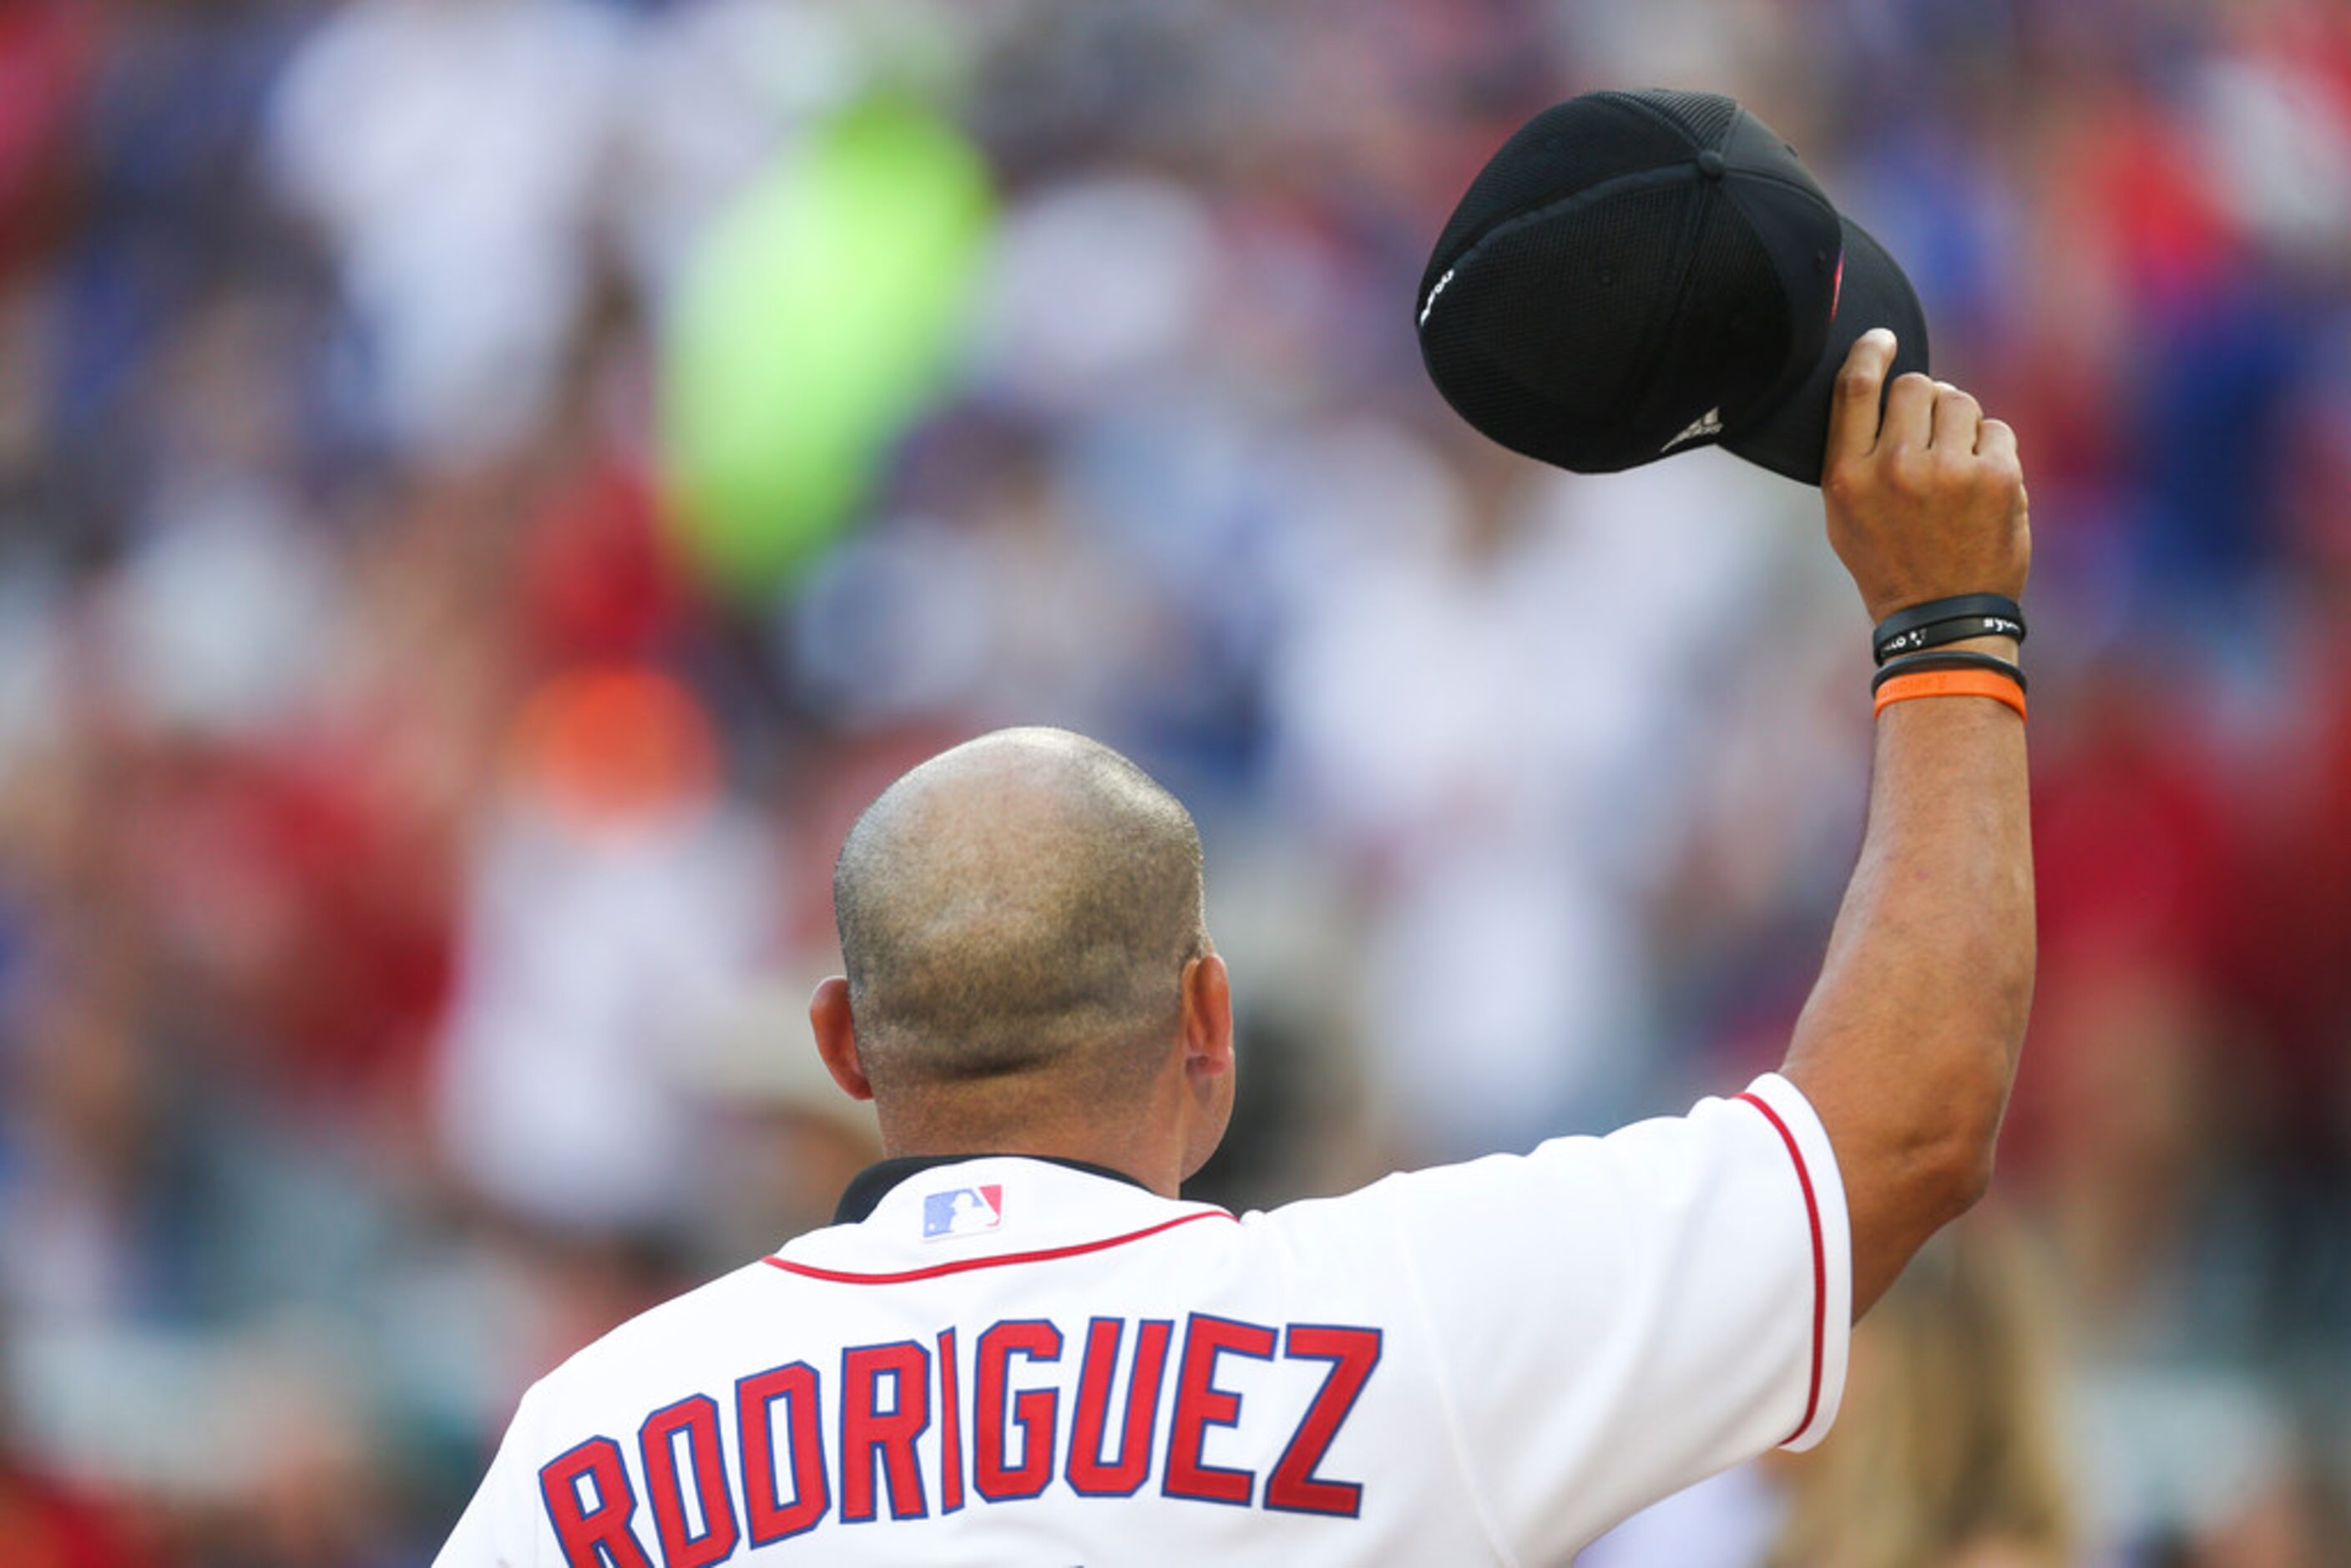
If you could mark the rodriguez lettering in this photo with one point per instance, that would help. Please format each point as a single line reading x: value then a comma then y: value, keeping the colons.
x: 909, y: 1428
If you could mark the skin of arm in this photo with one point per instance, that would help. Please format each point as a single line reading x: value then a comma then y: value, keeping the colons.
x: 1908, y: 1044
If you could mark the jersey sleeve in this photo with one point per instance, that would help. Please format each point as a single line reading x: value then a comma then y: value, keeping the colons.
x: 1613, y: 1319
x: 500, y: 1527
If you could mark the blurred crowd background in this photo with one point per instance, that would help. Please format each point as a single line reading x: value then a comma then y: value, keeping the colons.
x: 488, y: 489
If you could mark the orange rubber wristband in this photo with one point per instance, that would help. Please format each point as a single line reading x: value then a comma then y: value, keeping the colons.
x: 1950, y: 683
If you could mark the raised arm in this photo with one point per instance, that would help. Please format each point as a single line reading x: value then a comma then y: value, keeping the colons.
x: 1909, y: 1041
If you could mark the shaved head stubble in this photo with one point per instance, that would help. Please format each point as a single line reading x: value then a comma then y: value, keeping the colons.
x: 1022, y: 906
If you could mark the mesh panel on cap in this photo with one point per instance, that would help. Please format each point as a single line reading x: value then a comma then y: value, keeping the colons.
x: 1704, y: 115
x: 1538, y: 339
x: 1567, y: 148
x: 1731, y: 338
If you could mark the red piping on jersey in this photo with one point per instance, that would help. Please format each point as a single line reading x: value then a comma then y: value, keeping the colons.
x: 1042, y: 1255
x: 1820, y: 1262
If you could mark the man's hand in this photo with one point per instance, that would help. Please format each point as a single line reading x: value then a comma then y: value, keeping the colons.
x: 1928, y: 503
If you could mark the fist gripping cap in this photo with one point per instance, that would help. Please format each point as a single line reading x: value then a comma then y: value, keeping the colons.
x: 1635, y: 273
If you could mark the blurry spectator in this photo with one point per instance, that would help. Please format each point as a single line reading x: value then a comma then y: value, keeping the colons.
x: 1949, y: 1450
x: 450, y: 151
x: 782, y: 1140
x: 1420, y: 709
x: 617, y: 900
x: 712, y: 87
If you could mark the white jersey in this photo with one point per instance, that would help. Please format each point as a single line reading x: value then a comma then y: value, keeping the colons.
x: 1014, y: 1361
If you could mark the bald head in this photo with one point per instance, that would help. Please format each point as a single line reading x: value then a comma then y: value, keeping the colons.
x: 1023, y: 904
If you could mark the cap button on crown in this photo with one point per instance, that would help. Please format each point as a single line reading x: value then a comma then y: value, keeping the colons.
x: 1710, y: 164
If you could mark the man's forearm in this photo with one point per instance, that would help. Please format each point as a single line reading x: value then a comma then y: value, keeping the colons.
x: 1910, y: 1041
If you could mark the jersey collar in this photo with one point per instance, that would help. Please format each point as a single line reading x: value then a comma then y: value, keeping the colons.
x: 869, y: 1187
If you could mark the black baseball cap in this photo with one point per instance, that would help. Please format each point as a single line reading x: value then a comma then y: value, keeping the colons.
x: 1635, y: 273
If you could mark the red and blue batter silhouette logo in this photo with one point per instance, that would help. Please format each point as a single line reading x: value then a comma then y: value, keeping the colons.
x: 962, y: 1211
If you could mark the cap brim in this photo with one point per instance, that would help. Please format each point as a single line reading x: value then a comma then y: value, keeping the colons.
x: 1793, y: 438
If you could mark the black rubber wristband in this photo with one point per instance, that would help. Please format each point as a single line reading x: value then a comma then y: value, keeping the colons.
x: 1899, y: 632
x: 1958, y: 629
x: 1924, y: 664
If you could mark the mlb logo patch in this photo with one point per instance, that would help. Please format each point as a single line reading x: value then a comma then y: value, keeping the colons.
x: 962, y: 1211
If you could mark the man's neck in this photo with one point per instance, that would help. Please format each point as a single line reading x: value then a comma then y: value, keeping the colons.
x: 1159, y: 1177
x: 949, y: 1123
x: 870, y: 1186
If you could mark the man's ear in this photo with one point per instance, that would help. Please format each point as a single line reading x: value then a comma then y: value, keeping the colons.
x: 1207, y: 1018
x: 1208, y: 1046
x: 836, y: 1041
